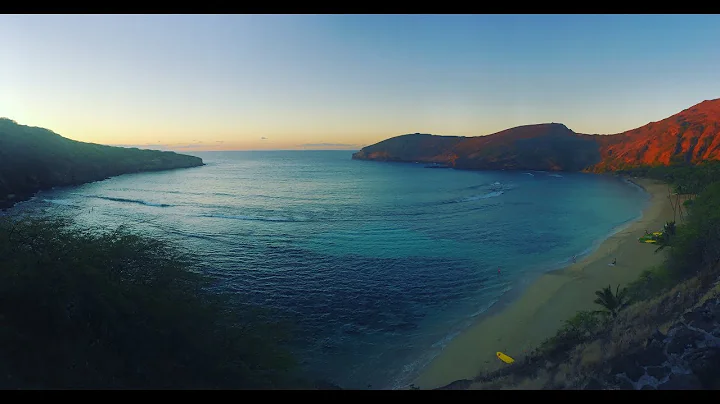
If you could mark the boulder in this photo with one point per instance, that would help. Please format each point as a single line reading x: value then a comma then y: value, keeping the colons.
x: 658, y: 372
x: 624, y: 384
x: 684, y: 338
x: 326, y: 385
x: 700, y: 318
x: 713, y: 306
x: 457, y: 385
x: 705, y: 364
x: 627, y: 366
x: 658, y: 336
x: 653, y: 355
x: 681, y: 382
x: 593, y: 384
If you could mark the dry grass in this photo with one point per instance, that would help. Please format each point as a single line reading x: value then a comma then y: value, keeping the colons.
x: 561, y: 376
x: 496, y: 384
x: 626, y: 333
x: 589, y: 355
x: 637, y: 323
x: 712, y: 293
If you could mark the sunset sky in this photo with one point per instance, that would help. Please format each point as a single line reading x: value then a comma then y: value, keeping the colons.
x: 236, y: 82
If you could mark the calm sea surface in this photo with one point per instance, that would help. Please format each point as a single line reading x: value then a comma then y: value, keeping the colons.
x: 378, y: 265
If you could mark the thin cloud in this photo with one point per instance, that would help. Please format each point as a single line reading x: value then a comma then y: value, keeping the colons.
x: 161, y: 146
x: 187, y: 146
x: 328, y: 145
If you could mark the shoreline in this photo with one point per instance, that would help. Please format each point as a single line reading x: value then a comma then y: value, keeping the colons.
x: 6, y: 205
x: 539, y: 309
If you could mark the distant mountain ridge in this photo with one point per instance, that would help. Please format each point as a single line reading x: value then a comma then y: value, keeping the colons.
x: 33, y: 159
x: 691, y: 135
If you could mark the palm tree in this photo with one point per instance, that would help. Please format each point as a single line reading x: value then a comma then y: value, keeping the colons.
x: 670, y: 228
x: 665, y: 240
x: 612, y: 303
x: 672, y: 205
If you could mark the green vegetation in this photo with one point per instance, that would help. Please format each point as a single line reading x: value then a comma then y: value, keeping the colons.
x: 612, y: 303
x: 693, y: 248
x: 651, y: 283
x: 580, y: 328
x: 585, y: 325
x: 590, y: 339
x: 85, y: 308
x: 32, y: 159
x: 694, y: 244
x: 684, y: 178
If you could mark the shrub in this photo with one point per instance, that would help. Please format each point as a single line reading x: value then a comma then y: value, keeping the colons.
x: 576, y: 330
x: 612, y: 303
x: 584, y: 323
x: 112, y: 309
x: 696, y: 246
x: 651, y: 283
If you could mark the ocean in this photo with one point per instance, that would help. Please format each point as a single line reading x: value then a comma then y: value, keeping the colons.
x: 377, y: 265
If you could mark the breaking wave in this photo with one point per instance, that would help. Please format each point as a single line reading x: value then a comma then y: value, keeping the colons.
x: 136, y: 201
x: 258, y: 218
x: 493, y: 194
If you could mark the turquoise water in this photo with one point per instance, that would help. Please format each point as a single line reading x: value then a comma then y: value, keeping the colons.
x: 378, y: 265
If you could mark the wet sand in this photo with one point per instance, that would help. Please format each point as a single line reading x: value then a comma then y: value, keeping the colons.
x: 554, y: 297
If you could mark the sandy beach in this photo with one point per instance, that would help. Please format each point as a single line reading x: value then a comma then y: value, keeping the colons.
x: 554, y: 297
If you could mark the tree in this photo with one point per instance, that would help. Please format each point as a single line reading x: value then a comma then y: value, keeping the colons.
x: 665, y: 239
x: 670, y: 228
x: 612, y: 303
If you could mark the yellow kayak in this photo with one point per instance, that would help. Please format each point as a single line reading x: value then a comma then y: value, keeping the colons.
x: 505, y: 358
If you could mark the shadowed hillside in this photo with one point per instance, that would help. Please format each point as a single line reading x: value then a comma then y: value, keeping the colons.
x: 535, y: 147
x: 414, y: 147
x: 33, y: 159
x: 689, y: 136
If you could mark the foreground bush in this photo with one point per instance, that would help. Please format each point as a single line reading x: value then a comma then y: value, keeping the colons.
x: 88, y: 309
x: 697, y: 246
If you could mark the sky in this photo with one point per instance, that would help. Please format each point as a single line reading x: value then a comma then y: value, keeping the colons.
x: 242, y: 82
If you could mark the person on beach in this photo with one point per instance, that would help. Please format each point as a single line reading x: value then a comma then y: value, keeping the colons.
x: 614, y: 261
x: 574, y: 258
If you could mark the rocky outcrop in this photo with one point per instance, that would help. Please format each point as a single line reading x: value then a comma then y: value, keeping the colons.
x: 34, y: 159
x: 462, y: 384
x: 688, y: 136
x: 326, y: 385
x: 691, y: 135
x: 686, y: 358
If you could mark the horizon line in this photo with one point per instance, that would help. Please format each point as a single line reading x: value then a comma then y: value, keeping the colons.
x: 228, y: 150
